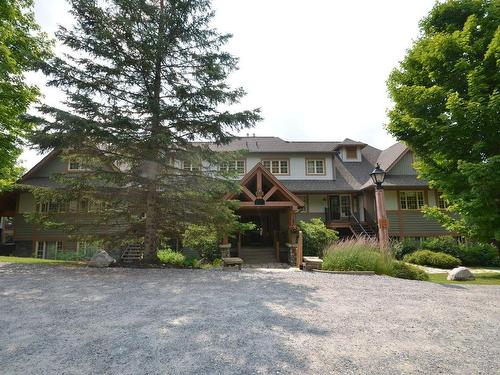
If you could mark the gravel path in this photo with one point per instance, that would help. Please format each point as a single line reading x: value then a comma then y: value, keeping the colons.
x: 58, y: 320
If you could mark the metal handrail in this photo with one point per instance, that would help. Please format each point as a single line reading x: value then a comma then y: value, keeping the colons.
x: 361, y: 226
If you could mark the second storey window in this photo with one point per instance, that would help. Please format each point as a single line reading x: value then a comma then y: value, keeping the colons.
x: 233, y: 166
x: 276, y: 166
x: 75, y: 165
x: 411, y: 200
x: 441, y: 202
x: 315, y: 166
x: 193, y: 167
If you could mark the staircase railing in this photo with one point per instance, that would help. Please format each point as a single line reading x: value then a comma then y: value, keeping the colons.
x: 371, y: 222
x: 359, y: 225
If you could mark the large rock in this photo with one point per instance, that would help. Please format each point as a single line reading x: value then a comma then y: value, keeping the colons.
x: 460, y: 274
x: 101, y: 259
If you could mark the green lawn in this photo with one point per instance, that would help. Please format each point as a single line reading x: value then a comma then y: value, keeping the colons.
x: 39, y: 261
x: 481, y: 279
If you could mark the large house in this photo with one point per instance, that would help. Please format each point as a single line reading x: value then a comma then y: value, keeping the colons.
x: 281, y: 182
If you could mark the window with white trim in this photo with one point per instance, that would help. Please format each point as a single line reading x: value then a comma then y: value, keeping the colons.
x: 316, y: 166
x: 442, y: 202
x: 192, y: 167
x: 237, y: 166
x: 48, y: 249
x: 75, y: 165
x: 50, y: 207
x: 411, y: 200
x: 276, y: 166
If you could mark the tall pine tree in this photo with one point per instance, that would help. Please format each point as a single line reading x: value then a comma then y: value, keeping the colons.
x: 145, y: 82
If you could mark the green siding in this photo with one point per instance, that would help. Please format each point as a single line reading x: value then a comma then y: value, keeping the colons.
x: 56, y: 165
x: 413, y: 223
x: 404, y: 166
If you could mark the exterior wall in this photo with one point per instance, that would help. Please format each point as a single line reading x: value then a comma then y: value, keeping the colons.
x: 413, y: 224
x: 391, y: 199
x: 404, y: 166
x: 296, y: 165
x: 56, y: 165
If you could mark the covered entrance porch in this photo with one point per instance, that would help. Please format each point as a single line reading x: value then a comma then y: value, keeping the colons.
x: 267, y: 203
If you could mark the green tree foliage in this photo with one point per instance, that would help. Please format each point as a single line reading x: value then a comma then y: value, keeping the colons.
x: 22, y: 48
x: 145, y: 84
x: 316, y: 236
x: 447, y: 109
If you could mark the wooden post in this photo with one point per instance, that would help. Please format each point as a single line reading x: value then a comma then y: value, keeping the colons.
x: 238, y: 245
x: 299, y: 249
x: 383, y: 223
x: 277, y: 245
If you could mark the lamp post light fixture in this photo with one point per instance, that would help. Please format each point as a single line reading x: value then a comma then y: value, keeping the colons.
x: 378, y: 177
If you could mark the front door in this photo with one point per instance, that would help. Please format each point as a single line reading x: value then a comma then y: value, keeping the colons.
x: 334, y: 206
x: 262, y: 235
x: 340, y: 206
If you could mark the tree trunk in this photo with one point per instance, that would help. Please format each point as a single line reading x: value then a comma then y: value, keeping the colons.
x: 150, y: 235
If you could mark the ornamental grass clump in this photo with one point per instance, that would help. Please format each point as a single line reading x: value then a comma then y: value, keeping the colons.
x: 364, y: 254
x: 357, y: 255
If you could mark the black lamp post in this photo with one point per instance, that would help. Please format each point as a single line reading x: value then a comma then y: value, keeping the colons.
x: 378, y: 177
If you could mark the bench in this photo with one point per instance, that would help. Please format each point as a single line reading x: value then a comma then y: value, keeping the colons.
x: 311, y: 263
x: 232, y: 261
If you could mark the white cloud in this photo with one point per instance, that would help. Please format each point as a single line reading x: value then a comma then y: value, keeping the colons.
x: 316, y: 68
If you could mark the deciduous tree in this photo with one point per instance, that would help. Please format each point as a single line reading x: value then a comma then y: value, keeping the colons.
x: 446, y: 93
x: 22, y: 48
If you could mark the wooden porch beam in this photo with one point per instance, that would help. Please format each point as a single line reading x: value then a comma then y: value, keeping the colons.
x: 270, y: 193
x: 259, y: 180
x: 248, y: 193
x: 268, y: 204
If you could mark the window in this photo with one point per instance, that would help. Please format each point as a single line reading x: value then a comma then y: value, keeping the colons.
x: 192, y: 167
x: 50, y: 207
x: 303, y: 198
x: 276, y: 166
x: 315, y: 166
x: 48, y: 249
x: 74, y: 165
x: 441, y: 202
x: 91, y: 205
x: 411, y: 200
x: 233, y: 166
x: 351, y: 153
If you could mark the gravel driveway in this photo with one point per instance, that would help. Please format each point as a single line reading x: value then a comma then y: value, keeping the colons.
x: 58, y: 320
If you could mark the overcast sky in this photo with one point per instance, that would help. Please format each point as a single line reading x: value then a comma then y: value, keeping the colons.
x: 316, y: 68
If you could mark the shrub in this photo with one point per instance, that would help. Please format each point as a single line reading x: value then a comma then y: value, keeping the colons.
x: 406, y: 246
x: 405, y: 271
x: 478, y: 254
x: 203, y: 239
x: 433, y: 259
x: 316, y: 236
x: 169, y: 256
x: 443, y: 244
x: 191, y: 262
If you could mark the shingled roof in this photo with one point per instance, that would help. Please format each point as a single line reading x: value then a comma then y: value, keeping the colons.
x: 388, y: 157
x: 276, y: 144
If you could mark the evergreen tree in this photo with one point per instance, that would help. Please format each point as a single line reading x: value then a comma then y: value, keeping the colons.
x: 447, y: 109
x: 22, y: 48
x: 145, y: 83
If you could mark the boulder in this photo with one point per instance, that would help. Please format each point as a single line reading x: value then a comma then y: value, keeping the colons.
x: 460, y: 274
x: 101, y: 259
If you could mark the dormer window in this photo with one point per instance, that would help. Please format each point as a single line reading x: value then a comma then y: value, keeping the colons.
x: 350, y: 153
